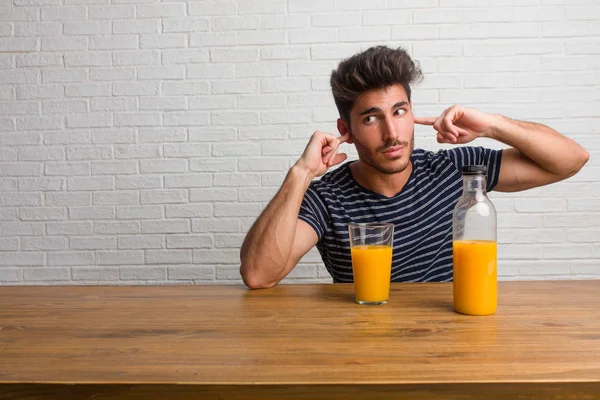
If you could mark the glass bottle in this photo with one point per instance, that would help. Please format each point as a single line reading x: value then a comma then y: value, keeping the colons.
x: 475, y: 284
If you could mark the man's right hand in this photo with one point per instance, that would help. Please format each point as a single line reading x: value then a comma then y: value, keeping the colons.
x: 321, y: 153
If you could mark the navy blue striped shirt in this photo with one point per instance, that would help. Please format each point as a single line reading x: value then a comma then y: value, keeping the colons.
x: 421, y: 213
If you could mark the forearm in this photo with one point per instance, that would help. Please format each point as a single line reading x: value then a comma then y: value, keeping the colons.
x: 268, y: 244
x: 552, y: 151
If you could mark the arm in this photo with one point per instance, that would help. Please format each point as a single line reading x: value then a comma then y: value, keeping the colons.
x: 539, y: 155
x: 278, y: 239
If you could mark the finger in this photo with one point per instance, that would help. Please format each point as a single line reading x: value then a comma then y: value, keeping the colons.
x: 425, y: 120
x: 344, y: 138
x: 331, y: 156
x: 338, y: 159
x: 325, y: 150
x: 462, y: 132
x: 448, y: 126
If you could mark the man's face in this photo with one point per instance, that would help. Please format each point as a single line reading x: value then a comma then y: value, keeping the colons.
x: 382, y: 128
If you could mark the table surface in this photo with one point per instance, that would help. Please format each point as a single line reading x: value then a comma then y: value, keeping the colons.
x: 315, y: 334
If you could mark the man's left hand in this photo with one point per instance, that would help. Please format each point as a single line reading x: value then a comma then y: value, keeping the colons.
x: 459, y: 125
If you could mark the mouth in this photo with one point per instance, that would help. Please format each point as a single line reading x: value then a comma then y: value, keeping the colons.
x: 393, y: 152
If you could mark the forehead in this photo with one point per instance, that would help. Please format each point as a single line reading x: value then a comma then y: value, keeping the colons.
x: 382, y: 98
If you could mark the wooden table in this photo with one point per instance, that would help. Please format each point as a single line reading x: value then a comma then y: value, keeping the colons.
x: 297, y: 341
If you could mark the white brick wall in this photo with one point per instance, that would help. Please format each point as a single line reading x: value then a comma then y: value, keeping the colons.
x: 139, y: 141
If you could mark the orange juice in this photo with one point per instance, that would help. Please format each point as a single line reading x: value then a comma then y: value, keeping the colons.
x: 475, y: 277
x: 372, y: 266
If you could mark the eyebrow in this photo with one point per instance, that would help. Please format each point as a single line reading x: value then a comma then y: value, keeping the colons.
x: 377, y: 109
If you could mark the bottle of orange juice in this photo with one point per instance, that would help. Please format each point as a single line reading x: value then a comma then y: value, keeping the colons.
x: 474, y: 246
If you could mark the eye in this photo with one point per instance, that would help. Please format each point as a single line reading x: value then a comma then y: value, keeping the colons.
x: 400, y: 111
x: 370, y: 118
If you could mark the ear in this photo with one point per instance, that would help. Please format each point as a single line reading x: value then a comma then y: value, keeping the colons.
x: 343, y: 128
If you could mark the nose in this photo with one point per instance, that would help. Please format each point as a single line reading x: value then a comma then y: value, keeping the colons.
x: 391, y: 132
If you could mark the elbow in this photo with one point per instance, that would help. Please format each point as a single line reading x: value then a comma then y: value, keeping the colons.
x: 253, y: 280
x: 582, y: 158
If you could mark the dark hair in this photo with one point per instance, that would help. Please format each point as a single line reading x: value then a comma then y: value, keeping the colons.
x: 375, y: 68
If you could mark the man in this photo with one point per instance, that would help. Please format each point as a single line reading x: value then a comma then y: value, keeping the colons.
x: 391, y: 181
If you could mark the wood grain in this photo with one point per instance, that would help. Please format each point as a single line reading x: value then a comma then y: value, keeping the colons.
x: 302, y: 339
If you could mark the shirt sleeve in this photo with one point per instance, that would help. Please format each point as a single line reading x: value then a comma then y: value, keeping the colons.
x: 313, y: 211
x: 468, y: 155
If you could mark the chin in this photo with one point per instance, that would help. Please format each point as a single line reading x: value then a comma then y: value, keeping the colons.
x: 393, y: 166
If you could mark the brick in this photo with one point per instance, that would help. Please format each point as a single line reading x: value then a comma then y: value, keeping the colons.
x: 20, y: 199
x: 45, y: 274
x: 168, y: 10
x: 164, y: 196
x: 235, y: 118
x: 19, y: 107
x: 112, y: 228
x: 21, y: 258
x: 237, y: 55
x: 284, y: 52
x: 144, y: 273
x: 69, y: 228
x: 235, y: 149
x: 119, y: 257
x: 18, y: 14
x: 234, y: 86
x: 96, y: 274
x: 9, y: 214
x: 236, y: 23
x: 62, y: 43
x: 78, y: 213
x: 20, y: 169
x: 229, y: 241
x: 192, y: 25
x: 86, y: 28
x: 136, y: 26
x: 42, y: 213
x: 161, y: 73
x: 88, y: 90
x: 184, y: 56
x: 189, y: 242
x: 568, y: 251
x: 163, y: 103
x: 114, y: 167
x: 89, y: 152
x: 285, y: 117
x: 137, y: 119
x: 186, y: 150
x: 64, y: 75
x: 271, y: 179
x: 68, y: 199
x: 229, y: 273
x: 583, y: 236
x: 115, y: 42
x: 139, y: 212
x: 112, y: 12
x: 44, y: 243
x: 285, y: 21
x: 188, y: 210
x: 89, y: 120
x: 163, y: 166
x: 237, y: 179
x: 162, y: 135
x: 138, y: 182
x: 15, y: 44
x: 113, y: 104
x: 206, y: 134
x: 187, y: 181
x: 21, y: 228
x: 262, y: 69
x: 9, y: 154
x: 140, y: 242
x: 203, y: 256
x: 121, y: 197
x: 263, y: 164
x: 212, y: 165
x: 213, y: 39
x: 129, y: 151
x: 337, y: 19
x: 196, y: 273
x: 93, y: 243
x: 67, y: 107
x: 257, y: 194
x: 313, y: 68
x: 66, y: 13
x: 90, y: 183
x: 166, y: 226
x: 37, y: 28
x: 67, y: 168
x: 11, y: 275
x: 168, y: 256
x: 163, y: 41
x: 19, y: 76
x: 9, y: 184
x: 260, y: 37
x: 212, y: 8
x: 68, y: 258
x: 289, y: 85
x: 237, y: 210
x: 215, y: 102
x: 314, y: 35
x: 212, y: 194
x: 210, y: 71
x: 38, y: 60
x: 135, y: 57
x: 66, y: 137
x: 311, y: 5
x: 184, y: 88
x: 185, y: 118
x: 135, y: 89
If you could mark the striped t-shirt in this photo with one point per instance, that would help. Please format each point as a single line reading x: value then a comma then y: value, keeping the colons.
x: 421, y: 213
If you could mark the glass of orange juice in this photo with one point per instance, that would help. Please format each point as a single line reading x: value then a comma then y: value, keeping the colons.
x: 371, y: 249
